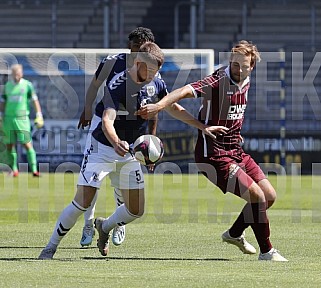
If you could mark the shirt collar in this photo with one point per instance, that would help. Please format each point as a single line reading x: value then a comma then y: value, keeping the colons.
x: 246, y: 81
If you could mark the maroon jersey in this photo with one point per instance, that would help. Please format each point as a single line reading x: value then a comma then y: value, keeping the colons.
x: 224, y: 103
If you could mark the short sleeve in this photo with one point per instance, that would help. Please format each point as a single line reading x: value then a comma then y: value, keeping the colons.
x: 31, y: 92
x: 110, y: 100
x: 106, y: 66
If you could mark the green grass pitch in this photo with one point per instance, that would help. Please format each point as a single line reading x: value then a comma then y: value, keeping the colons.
x: 176, y: 244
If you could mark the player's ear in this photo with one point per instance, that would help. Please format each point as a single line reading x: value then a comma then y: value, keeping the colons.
x: 136, y: 61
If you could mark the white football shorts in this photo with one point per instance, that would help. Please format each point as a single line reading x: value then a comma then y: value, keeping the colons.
x: 101, y: 160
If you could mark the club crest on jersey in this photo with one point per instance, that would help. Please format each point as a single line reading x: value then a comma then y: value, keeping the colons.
x: 150, y: 90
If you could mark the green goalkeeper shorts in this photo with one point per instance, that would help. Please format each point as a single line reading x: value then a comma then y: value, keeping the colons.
x: 16, y: 130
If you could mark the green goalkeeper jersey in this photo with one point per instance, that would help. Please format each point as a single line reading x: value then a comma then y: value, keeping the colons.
x: 17, y: 98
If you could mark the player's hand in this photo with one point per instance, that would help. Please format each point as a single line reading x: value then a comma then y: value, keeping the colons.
x: 151, y: 167
x: 121, y: 148
x: 213, y: 131
x: 39, y: 122
x: 85, y: 119
x: 148, y: 111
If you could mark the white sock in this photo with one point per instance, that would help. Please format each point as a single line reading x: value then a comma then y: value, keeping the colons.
x: 119, y: 200
x: 66, y: 221
x: 120, y: 217
x: 90, y: 212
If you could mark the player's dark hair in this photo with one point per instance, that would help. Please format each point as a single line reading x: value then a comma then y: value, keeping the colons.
x: 150, y: 51
x: 142, y: 33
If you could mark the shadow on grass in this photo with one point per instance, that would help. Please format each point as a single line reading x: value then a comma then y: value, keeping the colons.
x: 17, y: 259
x: 155, y: 258
x: 113, y: 258
x: 41, y: 247
x: 133, y: 258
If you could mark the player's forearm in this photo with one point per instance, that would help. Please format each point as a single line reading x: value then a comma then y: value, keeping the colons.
x: 37, y: 106
x: 90, y: 96
x: 110, y: 133
x: 179, y: 112
x: 108, y: 127
x: 175, y: 96
x: 92, y: 92
x: 152, y: 125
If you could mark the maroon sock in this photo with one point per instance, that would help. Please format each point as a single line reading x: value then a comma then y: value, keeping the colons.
x: 240, y: 224
x: 254, y: 215
x: 261, y: 226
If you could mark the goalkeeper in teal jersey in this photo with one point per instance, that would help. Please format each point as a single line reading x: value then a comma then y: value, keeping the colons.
x: 14, y: 118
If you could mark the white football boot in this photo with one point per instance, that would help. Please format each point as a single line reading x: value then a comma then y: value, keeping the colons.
x: 240, y: 242
x: 119, y: 234
x: 272, y: 255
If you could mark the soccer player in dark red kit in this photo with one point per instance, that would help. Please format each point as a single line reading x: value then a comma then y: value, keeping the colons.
x: 231, y: 169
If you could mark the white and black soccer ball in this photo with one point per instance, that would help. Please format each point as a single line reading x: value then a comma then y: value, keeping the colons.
x: 148, y: 149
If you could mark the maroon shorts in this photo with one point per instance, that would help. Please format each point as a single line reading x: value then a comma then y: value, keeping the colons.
x: 229, y: 174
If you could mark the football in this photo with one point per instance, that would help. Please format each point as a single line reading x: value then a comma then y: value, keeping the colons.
x: 148, y: 149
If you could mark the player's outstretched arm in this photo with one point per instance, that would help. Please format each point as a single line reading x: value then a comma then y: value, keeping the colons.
x: 150, y: 110
x: 179, y: 112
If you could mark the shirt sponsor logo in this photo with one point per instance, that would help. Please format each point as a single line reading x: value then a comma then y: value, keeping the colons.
x: 15, y: 98
x: 236, y: 112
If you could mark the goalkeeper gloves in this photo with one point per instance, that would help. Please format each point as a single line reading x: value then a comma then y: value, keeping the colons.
x: 39, y: 120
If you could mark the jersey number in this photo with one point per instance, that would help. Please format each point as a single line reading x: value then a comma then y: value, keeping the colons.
x: 138, y: 176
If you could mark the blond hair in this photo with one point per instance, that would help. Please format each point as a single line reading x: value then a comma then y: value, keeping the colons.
x: 246, y: 48
x: 16, y: 67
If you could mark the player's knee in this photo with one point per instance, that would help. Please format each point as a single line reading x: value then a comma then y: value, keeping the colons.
x: 270, y: 196
x: 270, y: 199
x: 256, y: 194
x: 84, y: 195
x: 137, y: 211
